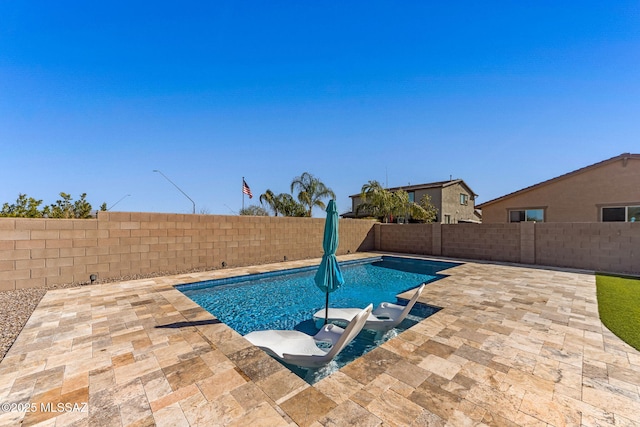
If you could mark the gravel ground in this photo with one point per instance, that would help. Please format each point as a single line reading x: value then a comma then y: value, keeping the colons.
x: 17, y: 305
x: 15, y: 308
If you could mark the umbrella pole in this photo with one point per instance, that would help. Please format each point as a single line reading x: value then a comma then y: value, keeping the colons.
x: 326, y: 309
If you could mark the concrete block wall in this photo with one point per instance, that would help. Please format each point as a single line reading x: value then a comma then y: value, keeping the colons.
x: 491, y: 242
x: 528, y: 242
x: 405, y: 238
x: 610, y: 246
x: 605, y: 247
x: 40, y: 252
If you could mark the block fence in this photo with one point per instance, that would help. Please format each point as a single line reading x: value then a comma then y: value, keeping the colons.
x: 39, y: 252
x: 605, y: 247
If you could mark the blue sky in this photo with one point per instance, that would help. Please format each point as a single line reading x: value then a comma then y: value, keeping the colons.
x: 96, y: 95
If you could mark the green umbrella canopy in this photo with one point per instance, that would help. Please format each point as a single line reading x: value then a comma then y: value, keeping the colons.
x: 329, y: 277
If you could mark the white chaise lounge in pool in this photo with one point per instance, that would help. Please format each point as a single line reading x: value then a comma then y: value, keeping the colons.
x: 304, y: 350
x: 385, y: 317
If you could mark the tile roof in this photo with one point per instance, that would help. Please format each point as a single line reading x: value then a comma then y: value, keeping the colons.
x: 438, y: 184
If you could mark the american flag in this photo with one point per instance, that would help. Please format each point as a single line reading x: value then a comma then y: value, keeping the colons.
x: 245, y: 189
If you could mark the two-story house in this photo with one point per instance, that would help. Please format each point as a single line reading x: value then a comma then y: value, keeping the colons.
x: 453, y: 199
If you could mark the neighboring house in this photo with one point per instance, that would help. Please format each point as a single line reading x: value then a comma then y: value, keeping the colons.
x: 453, y: 199
x: 605, y: 191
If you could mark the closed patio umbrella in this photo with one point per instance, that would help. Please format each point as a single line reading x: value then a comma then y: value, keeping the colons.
x: 329, y: 277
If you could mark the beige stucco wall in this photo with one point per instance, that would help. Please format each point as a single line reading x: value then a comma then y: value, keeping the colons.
x: 576, y: 198
x: 451, y: 204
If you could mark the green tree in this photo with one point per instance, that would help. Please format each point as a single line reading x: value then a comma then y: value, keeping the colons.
x: 82, y: 208
x: 401, y: 206
x: 289, y: 206
x: 430, y: 211
x: 423, y: 211
x: 311, y: 191
x: 283, y: 204
x: 271, y: 200
x: 62, y: 208
x: 254, y: 210
x: 25, y: 207
x: 384, y: 204
x: 376, y: 201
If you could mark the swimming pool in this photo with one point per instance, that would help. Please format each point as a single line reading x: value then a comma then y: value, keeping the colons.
x: 288, y: 299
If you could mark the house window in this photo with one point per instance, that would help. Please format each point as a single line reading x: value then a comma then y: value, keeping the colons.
x: 621, y: 214
x: 527, y: 215
x: 613, y: 214
x: 412, y: 196
x: 447, y: 219
x: 464, y: 199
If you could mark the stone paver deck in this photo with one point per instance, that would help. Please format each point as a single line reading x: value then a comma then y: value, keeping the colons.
x: 512, y: 346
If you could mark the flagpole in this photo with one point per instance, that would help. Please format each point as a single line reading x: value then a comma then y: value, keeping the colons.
x: 243, y: 193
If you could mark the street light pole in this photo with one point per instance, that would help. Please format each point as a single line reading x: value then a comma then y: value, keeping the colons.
x: 121, y: 199
x: 179, y: 189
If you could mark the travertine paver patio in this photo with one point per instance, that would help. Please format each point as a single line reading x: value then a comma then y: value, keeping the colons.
x: 512, y: 346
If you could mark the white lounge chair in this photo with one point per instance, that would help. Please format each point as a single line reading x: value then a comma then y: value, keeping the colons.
x: 386, y: 316
x: 308, y: 351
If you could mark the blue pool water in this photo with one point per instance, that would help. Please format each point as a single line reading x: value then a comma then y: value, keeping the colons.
x: 288, y: 300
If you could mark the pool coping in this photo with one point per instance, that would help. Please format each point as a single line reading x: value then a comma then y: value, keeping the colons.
x: 143, y: 344
x: 263, y: 275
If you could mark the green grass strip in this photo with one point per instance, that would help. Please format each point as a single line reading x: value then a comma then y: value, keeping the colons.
x: 619, y: 307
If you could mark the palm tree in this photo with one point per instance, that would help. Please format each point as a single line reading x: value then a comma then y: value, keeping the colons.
x: 283, y: 204
x: 383, y: 204
x: 271, y: 200
x: 403, y: 207
x: 311, y: 191
x: 376, y: 201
